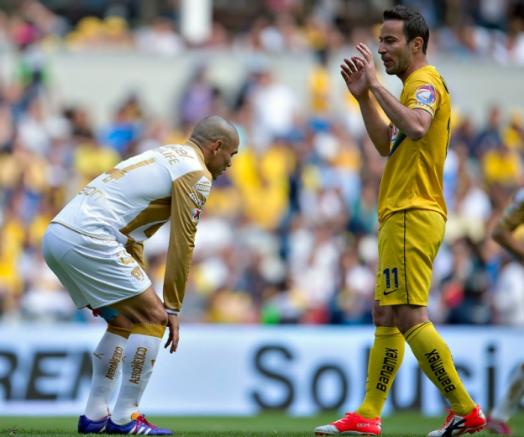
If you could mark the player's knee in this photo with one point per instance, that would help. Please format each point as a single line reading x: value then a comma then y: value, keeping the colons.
x: 408, y: 316
x: 382, y: 316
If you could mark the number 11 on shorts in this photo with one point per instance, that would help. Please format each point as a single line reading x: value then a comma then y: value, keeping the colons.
x: 388, y: 273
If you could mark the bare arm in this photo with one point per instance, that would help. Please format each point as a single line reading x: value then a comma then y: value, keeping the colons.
x: 413, y: 122
x: 378, y: 131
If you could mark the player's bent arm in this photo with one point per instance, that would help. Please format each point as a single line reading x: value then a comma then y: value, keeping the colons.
x: 186, y: 204
x: 507, y: 240
x: 379, y: 132
x: 413, y: 122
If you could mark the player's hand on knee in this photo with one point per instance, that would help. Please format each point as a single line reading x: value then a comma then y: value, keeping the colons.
x: 173, y: 327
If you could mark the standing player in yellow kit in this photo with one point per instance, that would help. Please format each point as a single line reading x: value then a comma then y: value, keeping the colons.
x: 412, y: 215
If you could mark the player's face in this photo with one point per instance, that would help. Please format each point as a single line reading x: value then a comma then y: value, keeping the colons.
x: 221, y: 160
x: 393, y: 47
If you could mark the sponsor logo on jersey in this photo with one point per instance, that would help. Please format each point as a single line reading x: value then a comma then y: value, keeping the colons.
x: 194, y: 197
x: 126, y: 259
x: 195, y: 214
x: 203, y: 186
x: 172, y: 152
x: 425, y: 95
x: 138, y: 273
x: 183, y: 151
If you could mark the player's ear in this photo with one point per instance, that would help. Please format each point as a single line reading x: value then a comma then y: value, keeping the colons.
x: 417, y: 45
x: 216, y: 145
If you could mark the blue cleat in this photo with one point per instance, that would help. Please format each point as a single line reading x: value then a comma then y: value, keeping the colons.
x: 88, y: 426
x: 139, y: 425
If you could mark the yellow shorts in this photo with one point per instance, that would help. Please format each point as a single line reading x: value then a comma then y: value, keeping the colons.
x: 408, y: 242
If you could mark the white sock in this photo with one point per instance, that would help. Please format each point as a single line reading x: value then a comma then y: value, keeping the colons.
x: 106, y: 372
x: 506, y: 407
x: 139, y: 358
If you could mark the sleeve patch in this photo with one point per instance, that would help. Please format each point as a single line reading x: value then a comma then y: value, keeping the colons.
x: 196, y: 213
x: 425, y: 95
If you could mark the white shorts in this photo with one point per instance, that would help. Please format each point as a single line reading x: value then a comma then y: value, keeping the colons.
x: 96, y: 272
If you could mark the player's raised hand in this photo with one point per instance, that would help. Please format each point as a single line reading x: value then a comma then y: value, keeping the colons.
x: 173, y: 325
x: 353, y: 74
x: 367, y: 64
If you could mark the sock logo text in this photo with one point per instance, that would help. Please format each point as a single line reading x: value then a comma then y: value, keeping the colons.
x: 113, y: 362
x: 388, y: 367
x: 437, y: 367
x: 137, y: 365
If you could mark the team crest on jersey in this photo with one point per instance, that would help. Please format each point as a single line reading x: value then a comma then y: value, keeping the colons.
x: 394, y: 134
x: 195, y: 214
x: 425, y: 95
x: 397, y: 136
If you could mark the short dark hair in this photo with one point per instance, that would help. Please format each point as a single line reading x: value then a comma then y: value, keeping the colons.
x: 414, y: 23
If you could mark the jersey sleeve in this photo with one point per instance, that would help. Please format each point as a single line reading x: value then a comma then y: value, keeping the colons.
x: 513, y: 216
x: 189, y: 195
x: 423, y: 92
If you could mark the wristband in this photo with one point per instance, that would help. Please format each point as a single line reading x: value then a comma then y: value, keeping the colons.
x: 172, y: 312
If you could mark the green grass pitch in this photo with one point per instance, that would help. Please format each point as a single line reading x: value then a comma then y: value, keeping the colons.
x: 399, y: 425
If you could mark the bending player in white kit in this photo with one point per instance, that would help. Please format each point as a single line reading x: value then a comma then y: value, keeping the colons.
x: 94, y: 246
x: 512, y: 218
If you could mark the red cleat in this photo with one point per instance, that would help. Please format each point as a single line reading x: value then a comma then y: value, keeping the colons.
x: 351, y: 424
x: 458, y: 425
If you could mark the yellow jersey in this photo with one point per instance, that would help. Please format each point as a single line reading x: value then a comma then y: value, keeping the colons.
x: 413, y: 177
x: 513, y: 215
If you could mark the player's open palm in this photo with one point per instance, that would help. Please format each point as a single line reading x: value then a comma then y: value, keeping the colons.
x: 353, y: 73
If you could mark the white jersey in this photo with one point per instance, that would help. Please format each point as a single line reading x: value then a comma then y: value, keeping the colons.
x: 131, y: 201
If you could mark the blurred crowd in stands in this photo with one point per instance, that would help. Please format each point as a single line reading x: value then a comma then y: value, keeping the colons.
x: 289, y: 233
x: 467, y: 28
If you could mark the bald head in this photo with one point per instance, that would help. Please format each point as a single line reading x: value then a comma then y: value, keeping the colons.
x: 218, y: 140
x: 214, y: 128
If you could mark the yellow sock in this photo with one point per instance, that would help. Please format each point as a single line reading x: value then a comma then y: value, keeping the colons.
x: 385, y: 359
x: 434, y: 357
